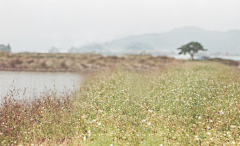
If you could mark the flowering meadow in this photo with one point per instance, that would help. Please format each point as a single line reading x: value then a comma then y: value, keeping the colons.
x: 197, y: 103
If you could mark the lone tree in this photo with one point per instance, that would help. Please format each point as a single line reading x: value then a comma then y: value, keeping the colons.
x: 192, y: 48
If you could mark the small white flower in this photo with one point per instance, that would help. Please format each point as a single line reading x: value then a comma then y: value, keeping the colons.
x: 196, y: 137
x: 84, y: 138
x: 221, y: 112
x: 199, y: 117
x: 233, y: 142
x: 211, y: 121
x: 111, y: 144
x: 99, y: 123
x: 150, y: 111
x: 149, y: 123
x: 208, y: 133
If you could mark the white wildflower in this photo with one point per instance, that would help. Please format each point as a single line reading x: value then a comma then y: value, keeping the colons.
x: 89, y: 133
x: 221, y: 112
x: 150, y: 111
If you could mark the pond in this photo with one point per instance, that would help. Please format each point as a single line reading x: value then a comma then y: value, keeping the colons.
x: 30, y: 84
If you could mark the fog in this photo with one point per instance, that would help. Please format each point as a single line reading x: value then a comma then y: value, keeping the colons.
x: 35, y: 25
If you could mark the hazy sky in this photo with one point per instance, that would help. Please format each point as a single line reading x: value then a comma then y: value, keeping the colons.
x: 30, y: 25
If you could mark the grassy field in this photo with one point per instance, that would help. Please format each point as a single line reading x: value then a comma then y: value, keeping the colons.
x: 197, y: 103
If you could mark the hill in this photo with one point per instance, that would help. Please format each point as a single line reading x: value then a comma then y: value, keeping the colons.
x: 214, y: 41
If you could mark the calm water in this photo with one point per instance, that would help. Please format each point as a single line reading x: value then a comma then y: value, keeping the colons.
x: 30, y: 84
x: 236, y: 58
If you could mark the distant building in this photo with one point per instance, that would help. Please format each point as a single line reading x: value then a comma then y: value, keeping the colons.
x: 63, y: 51
x: 5, y: 48
x: 73, y: 50
x: 54, y: 50
x: 203, y: 57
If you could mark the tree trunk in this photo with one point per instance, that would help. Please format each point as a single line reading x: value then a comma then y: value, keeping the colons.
x: 192, y: 56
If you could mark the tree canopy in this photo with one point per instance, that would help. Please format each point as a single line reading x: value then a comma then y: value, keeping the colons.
x: 191, y: 48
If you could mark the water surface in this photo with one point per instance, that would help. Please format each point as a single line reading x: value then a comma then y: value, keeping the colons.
x: 29, y: 84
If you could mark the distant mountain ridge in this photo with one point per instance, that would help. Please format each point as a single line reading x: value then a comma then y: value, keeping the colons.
x: 214, y: 41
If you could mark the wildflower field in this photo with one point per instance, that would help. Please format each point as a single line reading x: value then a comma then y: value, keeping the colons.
x: 195, y: 104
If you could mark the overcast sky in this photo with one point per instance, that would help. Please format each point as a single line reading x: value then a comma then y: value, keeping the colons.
x: 30, y: 25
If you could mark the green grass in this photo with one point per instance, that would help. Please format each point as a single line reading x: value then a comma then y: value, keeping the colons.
x: 196, y: 104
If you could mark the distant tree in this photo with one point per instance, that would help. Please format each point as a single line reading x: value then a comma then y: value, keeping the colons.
x: 191, y: 48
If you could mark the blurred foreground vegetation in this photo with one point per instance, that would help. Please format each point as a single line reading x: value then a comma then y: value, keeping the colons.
x: 195, y: 104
